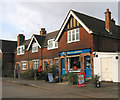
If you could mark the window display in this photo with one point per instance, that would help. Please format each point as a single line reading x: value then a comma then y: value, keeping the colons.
x: 74, y: 63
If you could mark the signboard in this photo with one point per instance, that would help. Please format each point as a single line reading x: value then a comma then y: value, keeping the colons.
x: 75, y: 52
x: 50, y: 77
x: 80, y: 79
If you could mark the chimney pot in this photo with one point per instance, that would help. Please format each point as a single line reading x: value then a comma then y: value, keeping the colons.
x: 107, y: 10
x: 43, y: 31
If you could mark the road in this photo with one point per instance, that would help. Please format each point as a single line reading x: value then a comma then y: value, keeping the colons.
x: 11, y: 90
x: 16, y: 88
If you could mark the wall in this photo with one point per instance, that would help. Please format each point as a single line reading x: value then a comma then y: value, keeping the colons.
x: 115, y: 64
x: 7, y: 63
x: 86, y: 41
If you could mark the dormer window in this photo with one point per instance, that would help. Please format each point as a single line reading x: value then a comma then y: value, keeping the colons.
x: 73, y: 35
x: 20, y: 50
x: 34, y: 47
x: 52, y: 44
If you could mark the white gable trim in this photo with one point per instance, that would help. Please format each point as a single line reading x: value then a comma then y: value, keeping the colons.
x: 33, y: 37
x: 71, y: 13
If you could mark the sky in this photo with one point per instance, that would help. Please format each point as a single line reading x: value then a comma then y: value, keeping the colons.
x: 28, y: 17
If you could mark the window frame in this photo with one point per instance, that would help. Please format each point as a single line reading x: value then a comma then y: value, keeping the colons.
x: 24, y: 63
x: 21, y: 50
x: 36, y: 62
x: 54, y: 44
x: 72, y: 33
x: 34, y: 45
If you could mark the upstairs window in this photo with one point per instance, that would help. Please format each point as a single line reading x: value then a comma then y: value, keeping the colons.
x: 35, y: 64
x: 34, y: 47
x: 73, y: 35
x: 20, y: 50
x: 52, y: 44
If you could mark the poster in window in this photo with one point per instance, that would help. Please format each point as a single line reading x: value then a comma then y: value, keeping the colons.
x: 80, y: 79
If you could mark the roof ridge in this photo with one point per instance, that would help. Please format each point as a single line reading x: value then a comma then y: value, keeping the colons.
x: 88, y: 15
x: 53, y: 31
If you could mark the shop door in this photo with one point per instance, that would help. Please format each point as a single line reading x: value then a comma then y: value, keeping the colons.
x: 63, y: 66
x: 106, y: 65
x: 87, y: 67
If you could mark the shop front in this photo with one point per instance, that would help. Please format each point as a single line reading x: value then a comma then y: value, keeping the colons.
x: 76, y: 61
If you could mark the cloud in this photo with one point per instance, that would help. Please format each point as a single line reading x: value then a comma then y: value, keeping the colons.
x: 22, y: 18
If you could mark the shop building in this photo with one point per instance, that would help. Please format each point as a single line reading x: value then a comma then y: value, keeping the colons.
x: 72, y: 47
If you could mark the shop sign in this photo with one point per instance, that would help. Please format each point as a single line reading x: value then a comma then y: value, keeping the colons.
x: 80, y: 79
x: 50, y: 77
x: 74, y: 52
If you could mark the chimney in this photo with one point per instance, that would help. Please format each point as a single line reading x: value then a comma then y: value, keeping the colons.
x: 42, y: 31
x: 108, y: 20
x: 20, y: 39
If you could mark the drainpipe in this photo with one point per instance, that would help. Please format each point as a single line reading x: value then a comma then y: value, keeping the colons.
x: 41, y: 58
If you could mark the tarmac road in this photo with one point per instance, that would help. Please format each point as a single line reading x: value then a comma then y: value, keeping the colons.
x: 17, y: 88
x: 18, y: 91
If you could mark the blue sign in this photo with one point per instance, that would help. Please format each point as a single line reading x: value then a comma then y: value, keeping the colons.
x: 75, y: 52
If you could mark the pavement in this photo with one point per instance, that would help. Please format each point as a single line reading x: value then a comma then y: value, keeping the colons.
x: 107, y: 90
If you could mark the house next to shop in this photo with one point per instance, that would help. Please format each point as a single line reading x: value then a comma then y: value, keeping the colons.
x: 76, y: 44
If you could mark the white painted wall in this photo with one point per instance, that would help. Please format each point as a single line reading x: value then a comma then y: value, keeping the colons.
x: 115, y: 64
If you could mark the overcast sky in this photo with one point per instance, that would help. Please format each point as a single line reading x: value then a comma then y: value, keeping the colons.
x: 29, y: 17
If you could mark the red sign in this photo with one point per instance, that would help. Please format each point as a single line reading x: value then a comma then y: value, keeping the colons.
x: 80, y: 79
x: 39, y: 69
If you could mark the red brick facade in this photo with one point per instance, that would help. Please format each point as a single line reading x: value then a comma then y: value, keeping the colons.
x: 87, y: 41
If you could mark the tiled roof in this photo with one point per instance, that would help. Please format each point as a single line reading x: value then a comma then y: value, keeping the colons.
x: 40, y: 39
x: 97, y: 25
x: 8, y: 46
x: 50, y: 35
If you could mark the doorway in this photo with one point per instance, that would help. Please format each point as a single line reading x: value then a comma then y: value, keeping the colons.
x: 63, y: 66
x: 87, y: 67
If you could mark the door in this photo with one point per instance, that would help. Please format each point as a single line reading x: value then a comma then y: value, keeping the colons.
x: 63, y: 66
x: 87, y: 67
x: 106, y: 68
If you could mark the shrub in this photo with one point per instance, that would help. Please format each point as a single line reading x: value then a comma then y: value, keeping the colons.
x: 73, y: 78
x: 29, y: 74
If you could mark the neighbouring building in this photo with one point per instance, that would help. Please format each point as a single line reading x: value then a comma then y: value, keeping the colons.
x: 7, y: 56
x: 73, y: 48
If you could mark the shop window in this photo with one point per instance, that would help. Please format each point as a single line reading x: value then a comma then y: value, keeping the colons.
x: 75, y: 63
x: 24, y: 65
x: 34, y: 47
x: 36, y: 64
x: 73, y: 35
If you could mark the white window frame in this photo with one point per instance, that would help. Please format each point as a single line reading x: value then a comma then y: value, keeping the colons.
x: 36, y: 62
x: 34, y: 45
x: 24, y: 63
x: 71, y: 31
x: 22, y: 50
x: 54, y: 44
